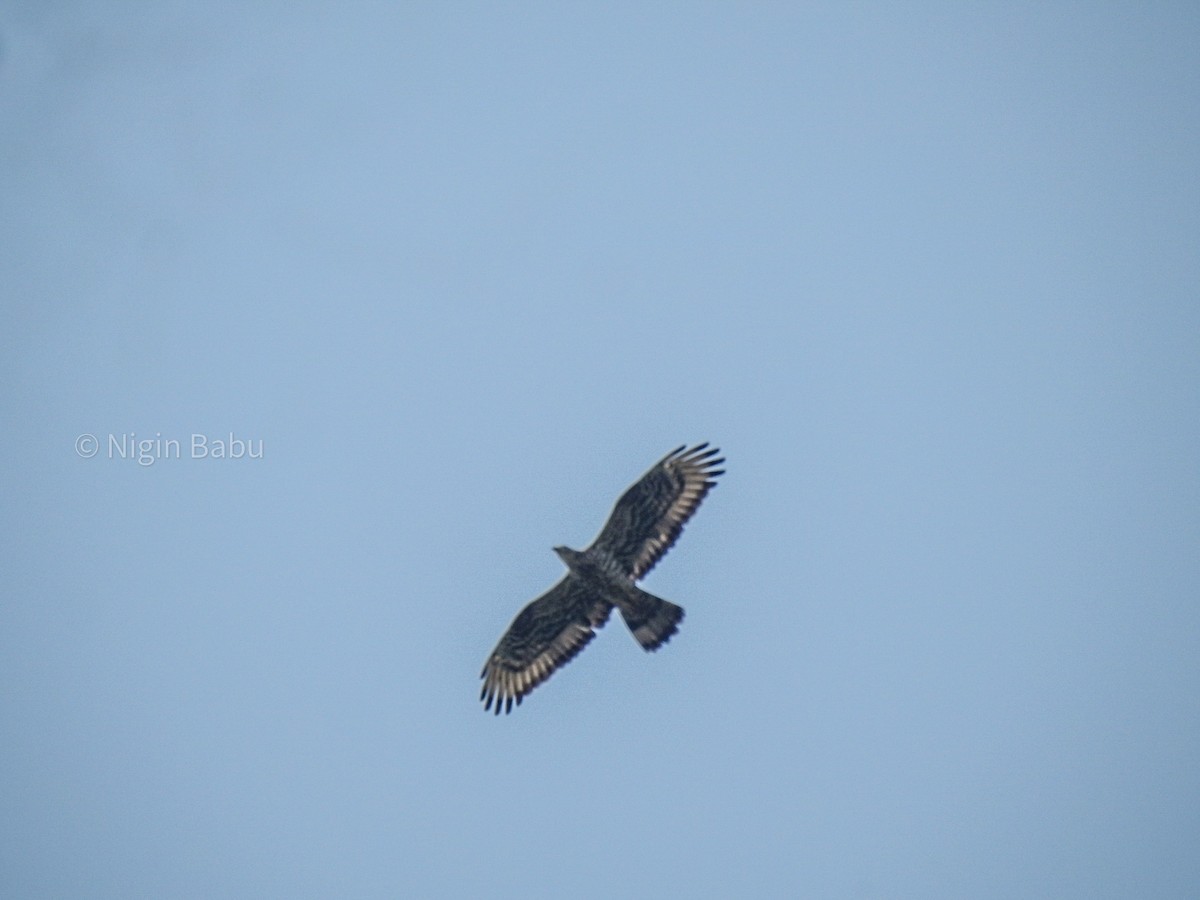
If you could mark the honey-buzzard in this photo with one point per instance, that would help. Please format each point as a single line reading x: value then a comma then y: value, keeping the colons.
x: 643, y: 525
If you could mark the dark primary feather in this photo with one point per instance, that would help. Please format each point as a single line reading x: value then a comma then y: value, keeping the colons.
x: 649, y: 517
x: 545, y: 636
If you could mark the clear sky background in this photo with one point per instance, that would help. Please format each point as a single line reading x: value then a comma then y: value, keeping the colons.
x: 929, y: 274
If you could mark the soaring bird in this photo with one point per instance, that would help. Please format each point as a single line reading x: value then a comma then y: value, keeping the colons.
x: 643, y: 525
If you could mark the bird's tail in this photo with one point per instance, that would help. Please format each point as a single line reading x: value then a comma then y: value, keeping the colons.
x: 651, y: 619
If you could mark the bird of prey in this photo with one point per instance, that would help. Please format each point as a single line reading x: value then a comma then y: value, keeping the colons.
x: 642, y: 527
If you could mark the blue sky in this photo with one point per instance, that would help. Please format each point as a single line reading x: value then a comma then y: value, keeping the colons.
x: 927, y: 274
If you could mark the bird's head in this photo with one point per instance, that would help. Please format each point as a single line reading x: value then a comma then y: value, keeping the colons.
x: 567, y: 555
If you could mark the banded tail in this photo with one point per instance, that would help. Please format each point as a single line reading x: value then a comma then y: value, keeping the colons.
x: 651, y: 619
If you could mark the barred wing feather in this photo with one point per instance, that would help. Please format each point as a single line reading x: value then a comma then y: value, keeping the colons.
x: 650, y: 516
x: 545, y: 635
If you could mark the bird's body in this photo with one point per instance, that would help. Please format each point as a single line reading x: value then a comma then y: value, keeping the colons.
x: 643, y: 525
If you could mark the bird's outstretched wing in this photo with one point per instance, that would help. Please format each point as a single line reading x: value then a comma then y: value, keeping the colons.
x: 543, y: 637
x: 650, y: 515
